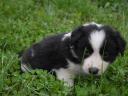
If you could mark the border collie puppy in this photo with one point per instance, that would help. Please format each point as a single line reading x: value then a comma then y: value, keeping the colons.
x: 88, y: 49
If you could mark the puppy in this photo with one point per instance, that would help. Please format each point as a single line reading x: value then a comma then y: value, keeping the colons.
x: 88, y: 49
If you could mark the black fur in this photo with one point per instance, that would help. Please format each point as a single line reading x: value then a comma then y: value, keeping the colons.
x: 51, y: 53
x: 114, y: 44
x: 48, y: 54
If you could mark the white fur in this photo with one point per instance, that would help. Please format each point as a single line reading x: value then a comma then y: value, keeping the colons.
x: 65, y: 75
x: 96, y: 39
x: 75, y: 68
x: 68, y: 74
x: 92, y: 23
x: 68, y: 35
x: 25, y: 68
x: 95, y: 60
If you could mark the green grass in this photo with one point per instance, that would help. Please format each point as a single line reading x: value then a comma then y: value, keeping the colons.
x: 23, y: 22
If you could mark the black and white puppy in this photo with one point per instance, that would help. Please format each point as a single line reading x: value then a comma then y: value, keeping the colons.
x: 88, y: 49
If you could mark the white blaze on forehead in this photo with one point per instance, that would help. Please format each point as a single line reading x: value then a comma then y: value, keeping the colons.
x: 93, y: 23
x: 67, y: 35
x: 96, y: 39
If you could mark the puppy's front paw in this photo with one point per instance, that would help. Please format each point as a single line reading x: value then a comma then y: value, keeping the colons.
x: 65, y: 75
x: 68, y: 82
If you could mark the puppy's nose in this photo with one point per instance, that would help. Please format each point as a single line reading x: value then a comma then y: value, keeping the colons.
x: 93, y: 70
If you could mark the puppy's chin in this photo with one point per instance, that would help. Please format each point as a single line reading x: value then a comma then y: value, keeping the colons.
x: 88, y: 74
x: 95, y: 75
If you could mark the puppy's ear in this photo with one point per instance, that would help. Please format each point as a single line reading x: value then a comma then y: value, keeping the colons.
x: 76, y: 34
x: 121, y: 43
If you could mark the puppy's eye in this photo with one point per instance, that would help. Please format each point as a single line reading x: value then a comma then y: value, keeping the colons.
x: 87, y: 52
x: 105, y: 54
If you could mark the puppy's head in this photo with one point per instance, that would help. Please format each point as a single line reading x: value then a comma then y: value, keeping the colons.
x: 96, y: 46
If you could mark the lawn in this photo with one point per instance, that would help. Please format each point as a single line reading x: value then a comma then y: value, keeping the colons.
x: 23, y: 22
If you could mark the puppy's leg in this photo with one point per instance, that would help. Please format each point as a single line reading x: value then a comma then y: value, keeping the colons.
x: 66, y: 75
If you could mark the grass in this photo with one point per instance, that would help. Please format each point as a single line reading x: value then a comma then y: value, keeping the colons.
x: 23, y: 22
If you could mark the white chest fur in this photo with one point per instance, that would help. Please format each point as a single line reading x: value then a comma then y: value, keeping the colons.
x: 69, y: 73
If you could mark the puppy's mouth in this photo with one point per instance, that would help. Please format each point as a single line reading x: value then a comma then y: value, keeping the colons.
x: 97, y: 74
x: 94, y: 75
